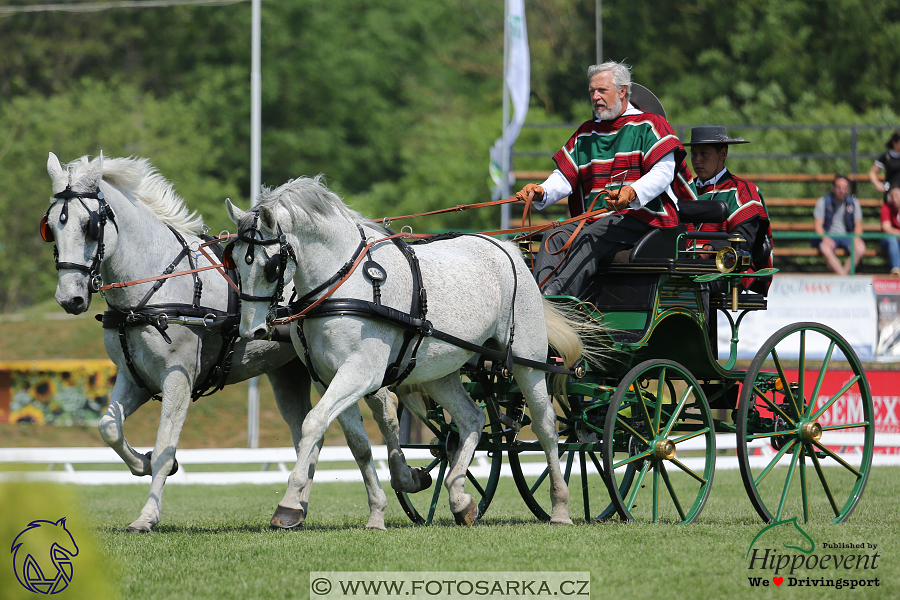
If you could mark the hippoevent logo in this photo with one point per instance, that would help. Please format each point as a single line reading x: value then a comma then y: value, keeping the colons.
x: 42, y: 556
x: 775, y: 562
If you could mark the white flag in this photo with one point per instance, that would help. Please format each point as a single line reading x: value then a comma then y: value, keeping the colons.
x: 518, y: 82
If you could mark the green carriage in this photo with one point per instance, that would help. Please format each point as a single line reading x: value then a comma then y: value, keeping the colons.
x: 642, y: 431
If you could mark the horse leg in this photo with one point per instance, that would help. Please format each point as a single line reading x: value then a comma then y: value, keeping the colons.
x: 403, y: 477
x: 176, y: 398
x: 345, y: 390
x: 125, y: 399
x: 469, y: 419
x: 543, y: 416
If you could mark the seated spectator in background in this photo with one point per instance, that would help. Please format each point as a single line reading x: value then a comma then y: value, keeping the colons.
x: 890, y: 162
x: 838, y: 213
x: 747, y: 215
x: 890, y: 223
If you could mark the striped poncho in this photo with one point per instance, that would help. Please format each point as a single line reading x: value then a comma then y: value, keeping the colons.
x: 603, y: 154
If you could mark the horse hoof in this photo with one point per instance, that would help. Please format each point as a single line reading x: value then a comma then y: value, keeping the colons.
x: 137, y: 528
x: 174, y: 470
x: 422, y: 478
x: 468, y: 515
x: 565, y: 522
x: 287, y: 518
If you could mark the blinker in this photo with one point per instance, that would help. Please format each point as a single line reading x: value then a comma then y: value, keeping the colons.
x: 227, y: 258
x: 46, y: 232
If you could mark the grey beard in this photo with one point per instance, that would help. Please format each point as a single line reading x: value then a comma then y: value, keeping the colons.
x: 610, y: 113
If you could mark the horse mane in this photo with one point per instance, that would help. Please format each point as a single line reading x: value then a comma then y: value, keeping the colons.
x: 140, y: 179
x: 309, y: 196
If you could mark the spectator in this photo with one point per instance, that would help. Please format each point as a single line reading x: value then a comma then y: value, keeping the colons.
x: 632, y: 153
x: 747, y: 216
x: 890, y: 224
x: 838, y: 214
x: 890, y: 162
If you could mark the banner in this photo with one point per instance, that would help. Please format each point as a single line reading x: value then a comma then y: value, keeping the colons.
x: 55, y: 392
x: 846, y: 304
x: 887, y: 297
x: 518, y: 81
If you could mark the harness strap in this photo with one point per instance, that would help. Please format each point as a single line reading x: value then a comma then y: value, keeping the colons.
x: 363, y: 308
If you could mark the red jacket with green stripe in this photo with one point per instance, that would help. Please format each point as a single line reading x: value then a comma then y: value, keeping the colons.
x: 603, y: 154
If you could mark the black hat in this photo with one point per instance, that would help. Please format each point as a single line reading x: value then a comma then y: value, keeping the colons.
x: 712, y: 134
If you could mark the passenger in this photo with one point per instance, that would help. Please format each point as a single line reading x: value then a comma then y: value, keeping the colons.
x: 838, y: 213
x: 890, y: 162
x: 890, y: 224
x: 632, y: 153
x: 747, y: 215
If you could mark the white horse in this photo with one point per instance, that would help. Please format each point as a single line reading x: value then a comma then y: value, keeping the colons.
x: 136, y: 238
x: 477, y: 289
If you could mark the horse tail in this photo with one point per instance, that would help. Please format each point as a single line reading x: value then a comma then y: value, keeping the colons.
x: 574, y: 334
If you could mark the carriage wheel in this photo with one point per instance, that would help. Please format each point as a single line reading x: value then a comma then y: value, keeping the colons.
x: 582, y: 469
x: 482, y: 476
x: 659, y: 424
x: 810, y: 412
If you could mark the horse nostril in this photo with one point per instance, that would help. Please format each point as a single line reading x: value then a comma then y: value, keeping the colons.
x: 77, y: 302
x: 259, y: 334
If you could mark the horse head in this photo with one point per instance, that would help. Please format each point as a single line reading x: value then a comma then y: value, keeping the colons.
x: 76, y: 222
x: 265, y: 260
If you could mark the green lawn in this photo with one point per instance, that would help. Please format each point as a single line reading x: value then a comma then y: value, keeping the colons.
x: 214, y: 542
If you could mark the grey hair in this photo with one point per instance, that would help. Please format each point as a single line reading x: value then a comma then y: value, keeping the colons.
x: 621, y: 75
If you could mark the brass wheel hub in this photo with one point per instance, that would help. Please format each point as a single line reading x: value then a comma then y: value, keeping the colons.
x: 435, y: 450
x: 665, y: 449
x: 811, y: 431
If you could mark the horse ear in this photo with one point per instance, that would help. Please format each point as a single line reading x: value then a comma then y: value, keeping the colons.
x: 58, y: 175
x: 95, y: 174
x: 267, y: 218
x: 234, y: 213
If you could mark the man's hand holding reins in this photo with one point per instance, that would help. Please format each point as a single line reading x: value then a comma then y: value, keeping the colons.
x: 620, y: 199
x: 531, y: 191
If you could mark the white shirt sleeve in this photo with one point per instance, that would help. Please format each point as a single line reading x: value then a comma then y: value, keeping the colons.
x: 656, y: 181
x: 556, y: 187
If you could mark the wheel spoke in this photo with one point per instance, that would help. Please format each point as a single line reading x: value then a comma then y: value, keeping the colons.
x: 787, y: 387
x: 433, y: 464
x: 803, y: 492
x: 665, y: 476
x: 540, y: 480
x: 438, y: 484
x: 847, y: 426
x: 659, y: 396
x: 684, y: 468
x: 568, y: 474
x: 597, y: 464
x: 691, y: 435
x: 821, y: 377
x: 475, y: 483
x: 636, y: 486
x: 773, y: 406
x: 655, y: 495
x: 678, y: 410
x: 640, y: 395
x: 843, y: 462
x: 774, y: 461
x: 631, y: 429
x: 631, y: 459
x: 787, y: 485
x: 771, y: 434
x: 585, y: 496
x: 840, y: 393
x: 824, y: 481
x: 801, y: 373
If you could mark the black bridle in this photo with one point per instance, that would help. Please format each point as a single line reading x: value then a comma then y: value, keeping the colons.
x: 97, y: 220
x: 274, y: 268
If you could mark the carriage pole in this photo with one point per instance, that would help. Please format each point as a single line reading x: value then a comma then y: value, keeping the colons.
x: 255, y: 182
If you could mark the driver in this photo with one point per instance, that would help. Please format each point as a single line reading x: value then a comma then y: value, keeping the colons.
x: 747, y: 215
x: 633, y: 154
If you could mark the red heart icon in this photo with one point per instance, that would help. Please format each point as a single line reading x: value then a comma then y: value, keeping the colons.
x: 778, y: 580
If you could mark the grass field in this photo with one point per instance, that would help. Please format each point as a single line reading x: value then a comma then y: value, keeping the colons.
x: 214, y: 542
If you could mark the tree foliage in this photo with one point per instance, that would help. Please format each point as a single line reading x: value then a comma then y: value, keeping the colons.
x: 397, y: 101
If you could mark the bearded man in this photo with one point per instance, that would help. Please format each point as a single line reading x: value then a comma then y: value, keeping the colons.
x: 632, y: 154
